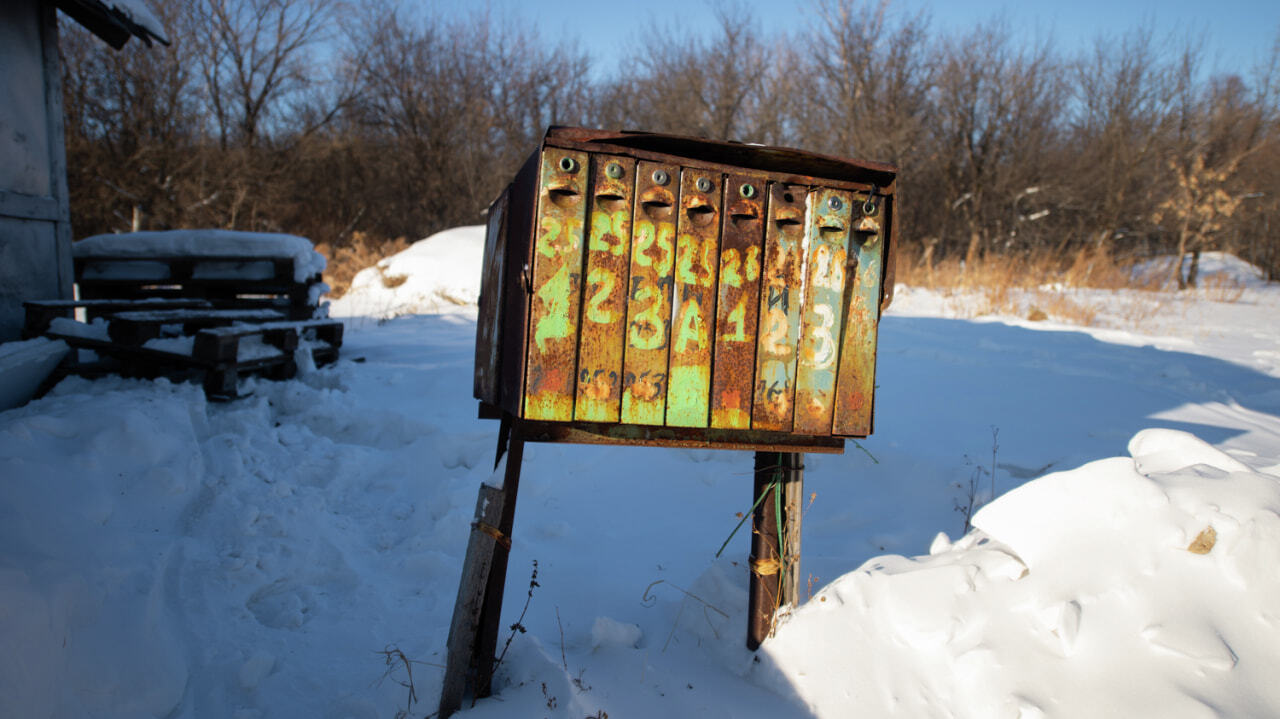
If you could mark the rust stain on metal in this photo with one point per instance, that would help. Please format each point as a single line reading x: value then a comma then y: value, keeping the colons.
x: 649, y: 287
x: 556, y: 279
x: 604, y: 307
x: 828, y: 235
x: 781, y: 297
x: 855, y: 386
x: 738, y: 301
x: 697, y: 250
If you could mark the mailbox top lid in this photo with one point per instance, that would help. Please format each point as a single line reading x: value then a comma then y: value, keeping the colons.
x: 779, y: 160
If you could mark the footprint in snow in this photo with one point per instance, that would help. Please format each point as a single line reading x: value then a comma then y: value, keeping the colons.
x: 281, y: 605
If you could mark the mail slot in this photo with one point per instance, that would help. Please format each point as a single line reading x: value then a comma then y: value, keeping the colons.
x: 639, y: 286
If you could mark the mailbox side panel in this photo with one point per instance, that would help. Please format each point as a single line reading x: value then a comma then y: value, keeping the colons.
x: 604, y: 308
x: 557, y: 290
x: 738, y: 301
x: 513, y: 300
x: 487, y: 378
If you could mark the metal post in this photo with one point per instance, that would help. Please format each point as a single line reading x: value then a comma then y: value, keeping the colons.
x: 775, y: 540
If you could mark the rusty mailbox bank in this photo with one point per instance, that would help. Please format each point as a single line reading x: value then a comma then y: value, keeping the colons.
x: 643, y: 288
x: 660, y: 290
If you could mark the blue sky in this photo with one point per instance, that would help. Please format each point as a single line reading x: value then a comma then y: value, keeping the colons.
x: 1237, y: 33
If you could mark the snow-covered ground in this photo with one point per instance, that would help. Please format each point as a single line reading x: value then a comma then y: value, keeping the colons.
x: 278, y: 555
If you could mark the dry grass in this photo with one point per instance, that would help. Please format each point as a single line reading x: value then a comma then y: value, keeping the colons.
x: 363, y: 251
x: 1039, y: 286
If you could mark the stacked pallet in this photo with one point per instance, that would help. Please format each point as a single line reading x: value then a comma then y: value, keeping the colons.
x: 208, y: 305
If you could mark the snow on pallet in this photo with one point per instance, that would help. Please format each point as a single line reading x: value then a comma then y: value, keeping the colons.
x: 247, y: 269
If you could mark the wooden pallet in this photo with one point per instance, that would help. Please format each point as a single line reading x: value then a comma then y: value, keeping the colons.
x: 41, y: 313
x: 228, y: 281
x: 220, y: 349
x: 220, y: 356
x: 135, y: 327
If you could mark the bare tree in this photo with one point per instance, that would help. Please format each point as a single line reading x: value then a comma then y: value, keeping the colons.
x: 1123, y: 91
x: 255, y: 56
x: 993, y: 128
x: 685, y: 83
x: 130, y: 126
x: 867, y: 79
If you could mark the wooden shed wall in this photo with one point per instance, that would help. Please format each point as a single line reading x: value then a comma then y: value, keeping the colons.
x: 35, y: 228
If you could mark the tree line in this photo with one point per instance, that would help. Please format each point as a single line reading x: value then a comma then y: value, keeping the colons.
x: 336, y: 119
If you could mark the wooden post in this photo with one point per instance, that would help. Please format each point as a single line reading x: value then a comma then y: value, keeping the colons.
x: 473, y: 633
x: 775, y: 540
x: 793, y: 492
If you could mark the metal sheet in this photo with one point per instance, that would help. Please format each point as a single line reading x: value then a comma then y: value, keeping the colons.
x: 781, y: 298
x: 556, y: 282
x: 818, y: 359
x: 650, y: 279
x: 697, y: 250
x: 687, y: 437
x: 604, y: 308
x: 738, y: 301
x: 855, y: 386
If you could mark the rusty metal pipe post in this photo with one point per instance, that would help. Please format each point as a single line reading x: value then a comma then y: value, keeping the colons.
x: 775, y: 476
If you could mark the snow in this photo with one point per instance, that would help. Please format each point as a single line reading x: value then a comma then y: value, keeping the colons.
x: 139, y: 14
x: 1216, y: 268
x: 165, y: 556
x: 24, y: 365
x: 200, y: 243
x: 439, y: 274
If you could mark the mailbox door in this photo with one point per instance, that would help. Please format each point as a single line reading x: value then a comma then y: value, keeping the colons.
x: 856, y: 384
x: 697, y: 250
x: 604, y: 308
x: 556, y: 274
x: 781, y: 297
x: 828, y: 233
x: 738, y: 301
x: 653, y: 232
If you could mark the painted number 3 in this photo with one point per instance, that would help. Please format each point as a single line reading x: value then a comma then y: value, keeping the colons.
x: 824, y: 352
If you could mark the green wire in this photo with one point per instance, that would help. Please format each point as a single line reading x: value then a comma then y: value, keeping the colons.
x: 760, y: 499
x: 774, y: 486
